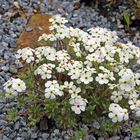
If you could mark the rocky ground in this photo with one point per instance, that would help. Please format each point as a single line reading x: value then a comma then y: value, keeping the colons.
x: 12, y: 23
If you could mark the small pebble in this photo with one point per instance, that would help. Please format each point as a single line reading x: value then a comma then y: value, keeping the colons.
x: 29, y: 29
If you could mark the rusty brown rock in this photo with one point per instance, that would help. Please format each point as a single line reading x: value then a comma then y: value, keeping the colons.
x: 39, y: 24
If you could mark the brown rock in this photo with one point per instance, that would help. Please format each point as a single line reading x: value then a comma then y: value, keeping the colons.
x: 39, y: 24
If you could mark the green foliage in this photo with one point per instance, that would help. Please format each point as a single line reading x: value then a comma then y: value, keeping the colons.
x: 127, y: 19
x: 60, y: 113
x: 60, y: 110
x: 12, y: 114
x: 135, y: 129
x: 27, y: 76
x: 34, y: 116
x: 107, y: 127
x: 79, y: 134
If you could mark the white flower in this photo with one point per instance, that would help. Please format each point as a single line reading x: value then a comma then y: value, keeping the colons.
x: 18, y: 85
x: 45, y: 71
x: 28, y: 55
x: 125, y: 114
x: 13, y: 86
x: 126, y: 83
x: 49, y: 53
x: 74, y: 91
x: 58, y: 19
x: 137, y: 78
x: 77, y: 50
x: 75, y: 74
x: 112, y: 86
x: 90, y: 70
x: 52, y: 83
x: 39, y: 53
x: 53, y: 89
x: 10, y: 92
x: 116, y: 116
x: 50, y: 93
x: 68, y: 85
x: 111, y: 76
x: 61, y: 67
x: 138, y: 60
x: 114, y: 106
x: 116, y: 96
x: 125, y: 72
x: 62, y: 32
x: 134, y: 104
x: 19, y: 53
x: 131, y: 94
x: 104, y: 69
x: 86, y: 78
x: 62, y: 56
x: 102, y: 78
x: 78, y: 104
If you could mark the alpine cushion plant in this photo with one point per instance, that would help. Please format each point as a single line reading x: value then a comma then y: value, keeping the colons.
x: 80, y: 76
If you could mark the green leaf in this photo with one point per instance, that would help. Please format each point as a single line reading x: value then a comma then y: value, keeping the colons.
x: 135, y: 129
x: 31, y: 96
x: 79, y: 134
x: 12, y: 114
x: 126, y: 18
x: 13, y: 69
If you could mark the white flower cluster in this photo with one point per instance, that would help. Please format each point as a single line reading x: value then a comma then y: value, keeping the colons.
x: 26, y: 54
x: 52, y: 89
x: 86, y: 58
x: 45, y: 71
x: 14, y: 86
x: 117, y: 114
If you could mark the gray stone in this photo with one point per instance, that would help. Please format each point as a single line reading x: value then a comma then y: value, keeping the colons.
x: 12, y: 135
x: 89, y: 137
x: 4, y: 44
x: 17, y: 126
x: 2, y: 123
x: 127, y: 138
x: 45, y: 1
x: 25, y: 135
x: 34, y: 135
x: 66, y: 137
x: 5, y: 68
x: 101, y: 138
x: 19, y: 138
x: 137, y: 138
x: 13, y: 44
x: 115, y: 138
x: 23, y: 121
x: 8, y: 131
x: 56, y: 131
x: 45, y: 136
x: 18, y: 64
x: 6, y: 138
x: 96, y: 125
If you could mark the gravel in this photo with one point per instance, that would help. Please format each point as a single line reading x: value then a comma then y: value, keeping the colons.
x: 11, y: 27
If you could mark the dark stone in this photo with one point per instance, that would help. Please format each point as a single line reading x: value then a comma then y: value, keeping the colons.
x: 46, y: 124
